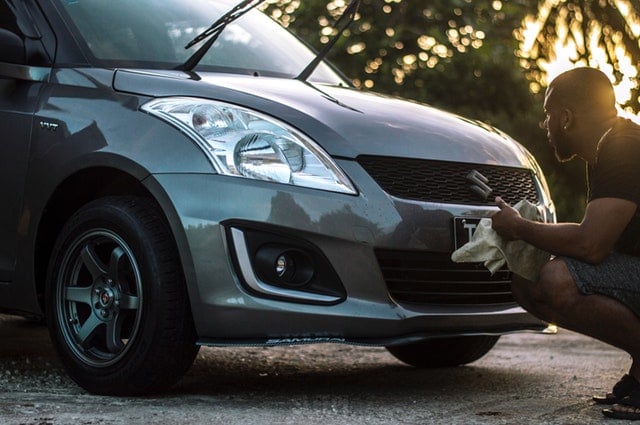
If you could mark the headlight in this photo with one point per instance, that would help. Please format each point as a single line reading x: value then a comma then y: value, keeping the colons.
x: 244, y: 143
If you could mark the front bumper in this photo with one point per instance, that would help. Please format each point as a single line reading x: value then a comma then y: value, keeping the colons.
x: 209, y: 215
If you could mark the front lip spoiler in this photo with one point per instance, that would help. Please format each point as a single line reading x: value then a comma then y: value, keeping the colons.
x: 368, y: 342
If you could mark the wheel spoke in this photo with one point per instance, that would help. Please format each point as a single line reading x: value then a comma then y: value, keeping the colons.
x: 129, y: 302
x: 114, y: 342
x: 78, y: 294
x: 87, y: 330
x: 92, y: 263
x: 117, y: 255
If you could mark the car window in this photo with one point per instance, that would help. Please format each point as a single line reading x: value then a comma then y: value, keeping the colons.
x: 153, y: 33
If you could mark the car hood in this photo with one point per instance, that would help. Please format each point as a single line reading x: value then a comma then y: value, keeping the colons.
x: 346, y: 122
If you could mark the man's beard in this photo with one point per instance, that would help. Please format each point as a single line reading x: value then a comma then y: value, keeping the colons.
x: 563, y: 151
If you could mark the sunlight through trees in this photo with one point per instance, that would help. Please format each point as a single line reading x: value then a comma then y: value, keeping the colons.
x: 602, y: 34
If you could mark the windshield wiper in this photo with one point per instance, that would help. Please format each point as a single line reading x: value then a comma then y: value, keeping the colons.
x: 348, y: 16
x: 214, y: 31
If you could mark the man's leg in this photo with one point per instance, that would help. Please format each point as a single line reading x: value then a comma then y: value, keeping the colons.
x: 556, y: 299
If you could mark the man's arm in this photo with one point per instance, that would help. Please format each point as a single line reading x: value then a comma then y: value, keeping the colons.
x: 591, y: 241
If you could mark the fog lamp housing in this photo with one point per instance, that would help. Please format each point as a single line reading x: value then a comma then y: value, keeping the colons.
x: 272, y: 264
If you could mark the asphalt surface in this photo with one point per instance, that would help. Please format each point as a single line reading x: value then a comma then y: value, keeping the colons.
x: 525, y: 379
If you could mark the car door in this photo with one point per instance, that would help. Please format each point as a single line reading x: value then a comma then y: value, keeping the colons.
x: 21, y: 77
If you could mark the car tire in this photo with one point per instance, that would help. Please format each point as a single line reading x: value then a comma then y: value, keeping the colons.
x: 116, y: 299
x: 444, y: 352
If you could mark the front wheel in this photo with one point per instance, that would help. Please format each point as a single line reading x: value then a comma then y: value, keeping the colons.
x: 444, y: 352
x: 117, y: 307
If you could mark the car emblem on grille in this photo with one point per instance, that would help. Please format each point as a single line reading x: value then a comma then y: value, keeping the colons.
x: 479, y: 184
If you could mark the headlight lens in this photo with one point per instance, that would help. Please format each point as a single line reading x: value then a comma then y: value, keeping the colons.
x: 244, y: 143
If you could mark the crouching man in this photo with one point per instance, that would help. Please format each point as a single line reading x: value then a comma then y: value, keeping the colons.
x: 592, y: 286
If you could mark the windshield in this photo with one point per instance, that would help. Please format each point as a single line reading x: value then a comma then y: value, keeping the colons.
x: 153, y: 33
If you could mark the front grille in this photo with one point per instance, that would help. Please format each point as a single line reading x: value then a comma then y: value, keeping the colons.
x: 432, y: 278
x: 445, y: 182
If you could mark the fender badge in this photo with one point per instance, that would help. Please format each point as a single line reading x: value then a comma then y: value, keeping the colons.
x: 50, y: 126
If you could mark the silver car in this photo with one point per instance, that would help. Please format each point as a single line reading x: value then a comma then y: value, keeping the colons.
x: 158, y: 198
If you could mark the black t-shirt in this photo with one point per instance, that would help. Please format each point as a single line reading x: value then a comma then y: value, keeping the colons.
x: 616, y: 174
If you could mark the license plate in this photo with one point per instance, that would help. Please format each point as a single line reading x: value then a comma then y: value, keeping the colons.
x: 463, y: 228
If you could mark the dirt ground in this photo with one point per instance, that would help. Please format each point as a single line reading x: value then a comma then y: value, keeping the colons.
x: 525, y: 379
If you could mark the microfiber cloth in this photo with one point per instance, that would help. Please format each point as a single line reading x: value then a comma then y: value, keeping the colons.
x: 487, y: 247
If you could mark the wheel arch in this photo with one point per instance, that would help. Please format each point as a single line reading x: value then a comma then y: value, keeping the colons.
x: 71, y: 194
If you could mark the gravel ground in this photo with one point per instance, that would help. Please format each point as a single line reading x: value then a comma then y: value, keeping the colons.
x: 526, y: 378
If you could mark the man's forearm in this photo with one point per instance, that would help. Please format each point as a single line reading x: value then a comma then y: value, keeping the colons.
x: 566, y: 239
x: 592, y: 240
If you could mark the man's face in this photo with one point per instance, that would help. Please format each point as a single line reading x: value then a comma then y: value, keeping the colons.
x: 553, y: 123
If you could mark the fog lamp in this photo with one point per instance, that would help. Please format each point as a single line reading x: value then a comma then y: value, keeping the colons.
x: 284, y: 266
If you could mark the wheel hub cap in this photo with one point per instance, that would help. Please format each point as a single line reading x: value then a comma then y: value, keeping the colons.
x: 106, y: 297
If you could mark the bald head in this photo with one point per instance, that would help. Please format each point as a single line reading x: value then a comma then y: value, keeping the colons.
x: 580, y: 106
x: 584, y: 90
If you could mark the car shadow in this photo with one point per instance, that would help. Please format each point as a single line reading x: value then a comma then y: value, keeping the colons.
x: 345, y: 372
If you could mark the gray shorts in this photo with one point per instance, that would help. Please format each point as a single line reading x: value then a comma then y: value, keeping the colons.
x: 618, y: 277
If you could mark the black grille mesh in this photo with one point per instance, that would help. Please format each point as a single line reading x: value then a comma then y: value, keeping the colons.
x: 445, y: 182
x: 432, y: 278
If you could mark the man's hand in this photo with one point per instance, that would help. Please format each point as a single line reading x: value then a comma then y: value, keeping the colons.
x: 505, y: 222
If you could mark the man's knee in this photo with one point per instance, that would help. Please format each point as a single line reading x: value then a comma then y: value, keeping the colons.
x: 555, y: 290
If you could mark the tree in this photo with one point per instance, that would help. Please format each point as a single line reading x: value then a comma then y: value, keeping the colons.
x: 602, y: 34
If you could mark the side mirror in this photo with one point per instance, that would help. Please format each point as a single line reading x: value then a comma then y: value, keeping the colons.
x: 12, y: 48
